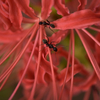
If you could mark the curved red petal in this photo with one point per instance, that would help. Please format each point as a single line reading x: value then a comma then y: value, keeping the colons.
x: 58, y: 36
x: 15, y: 14
x: 41, y: 76
x: 94, y: 5
x: 72, y: 5
x: 62, y: 74
x: 60, y: 7
x: 4, y: 9
x: 79, y: 19
x: 9, y: 36
x: 24, y: 6
x: 27, y: 81
x: 46, y: 8
x: 63, y: 1
x: 45, y: 63
x: 82, y: 4
x: 5, y: 21
x: 89, y: 82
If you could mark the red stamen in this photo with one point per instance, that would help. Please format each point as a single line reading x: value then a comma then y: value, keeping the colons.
x: 53, y: 76
x: 35, y: 43
x: 93, y: 28
x: 37, y: 70
x: 91, y: 37
x: 87, y: 94
x: 72, y: 75
x: 69, y: 56
x: 90, y: 55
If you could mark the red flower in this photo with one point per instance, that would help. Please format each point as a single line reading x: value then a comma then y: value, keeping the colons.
x: 38, y: 70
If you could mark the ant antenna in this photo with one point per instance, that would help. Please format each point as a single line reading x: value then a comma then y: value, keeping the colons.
x: 42, y: 49
x: 52, y: 25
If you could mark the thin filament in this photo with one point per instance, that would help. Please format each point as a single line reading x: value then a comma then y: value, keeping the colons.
x: 93, y: 28
x: 72, y: 74
x: 53, y: 76
x: 66, y: 70
x: 37, y: 70
x: 90, y: 55
x: 18, y: 58
x: 87, y: 94
x: 16, y: 46
x: 36, y: 40
x: 98, y: 43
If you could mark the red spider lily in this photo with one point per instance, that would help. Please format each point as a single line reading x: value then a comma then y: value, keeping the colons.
x: 78, y: 20
x: 44, y: 76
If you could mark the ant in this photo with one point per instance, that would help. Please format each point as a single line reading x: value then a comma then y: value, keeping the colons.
x: 50, y: 45
x: 45, y: 23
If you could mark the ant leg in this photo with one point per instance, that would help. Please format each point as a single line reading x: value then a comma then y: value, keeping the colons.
x: 53, y: 43
x: 42, y: 49
x: 48, y: 22
x: 47, y: 39
x: 51, y: 29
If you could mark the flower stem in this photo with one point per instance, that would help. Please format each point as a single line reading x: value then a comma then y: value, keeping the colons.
x: 53, y: 76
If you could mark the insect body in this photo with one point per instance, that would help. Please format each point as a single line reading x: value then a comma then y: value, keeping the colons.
x: 50, y: 45
x: 45, y: 23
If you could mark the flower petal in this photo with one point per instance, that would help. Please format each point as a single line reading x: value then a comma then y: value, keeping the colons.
x: 58, y: 36
x: 15, y: 14
x: 9, y: 36
x: 41, y: 75
x: 89, y: 82
x: 72, y: 5
x: 60, y: 7
x: 46, y: 8
x: 94, y: 5
x: 5, y: 21
x: 46, y: 65
x: 82, y: 4
x: 79, y: 19
x: 24, y: 6
x: 4, y: 9
x: 62, y: 74
x: 63, y: 1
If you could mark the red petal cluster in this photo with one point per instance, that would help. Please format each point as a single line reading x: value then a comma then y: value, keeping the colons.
x: 21, y: 32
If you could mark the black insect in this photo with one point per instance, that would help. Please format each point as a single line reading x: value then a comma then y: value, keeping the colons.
x: 45, y: 23
x: 50, y: 45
